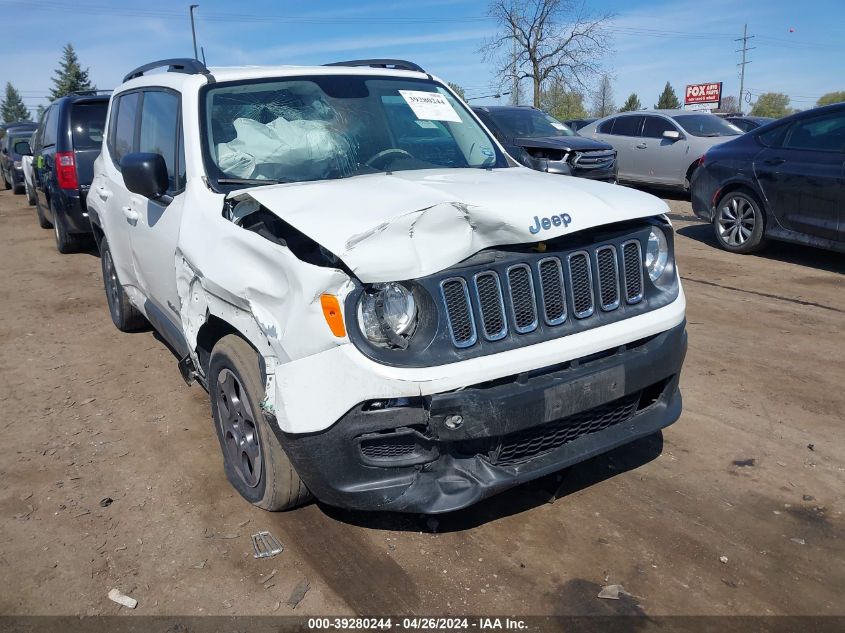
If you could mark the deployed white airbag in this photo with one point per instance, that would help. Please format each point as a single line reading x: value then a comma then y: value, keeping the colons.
x: 282, y: 149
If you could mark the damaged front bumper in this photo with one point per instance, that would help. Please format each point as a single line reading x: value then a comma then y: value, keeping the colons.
x: 439, y: 453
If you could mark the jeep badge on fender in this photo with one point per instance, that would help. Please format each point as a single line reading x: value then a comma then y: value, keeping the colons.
x: 547, y: 223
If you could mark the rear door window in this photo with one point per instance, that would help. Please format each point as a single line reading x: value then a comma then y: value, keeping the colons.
x: 824, y: 133
x: 51, y: 127
x: 627, y: 126
x: 87, y: 121
x: 159, y: 123
x: 654, y: 127
x: 123, y: 142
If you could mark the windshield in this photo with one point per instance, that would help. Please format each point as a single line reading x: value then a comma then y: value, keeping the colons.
x: 328, y: 127
x: 706, y: 125
x: 529, y: 123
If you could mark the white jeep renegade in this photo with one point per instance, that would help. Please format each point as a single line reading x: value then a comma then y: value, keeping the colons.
x: 387, y: 311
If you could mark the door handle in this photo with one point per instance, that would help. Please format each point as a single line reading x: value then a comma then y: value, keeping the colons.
x: 774, y: 161
x: 103, y: 193
x: 131, y: 214
x: 641, y: 146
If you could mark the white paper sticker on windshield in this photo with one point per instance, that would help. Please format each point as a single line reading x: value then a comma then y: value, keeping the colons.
x: 431, y: 106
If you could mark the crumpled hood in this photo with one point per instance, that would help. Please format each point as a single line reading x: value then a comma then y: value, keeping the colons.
x: 565, y: 143
x: 412, y: 224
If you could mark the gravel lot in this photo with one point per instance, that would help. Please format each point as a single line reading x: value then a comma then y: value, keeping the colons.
x: 737, y: 508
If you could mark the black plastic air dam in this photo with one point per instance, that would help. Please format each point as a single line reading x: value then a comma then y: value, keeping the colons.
x: 331, y: 465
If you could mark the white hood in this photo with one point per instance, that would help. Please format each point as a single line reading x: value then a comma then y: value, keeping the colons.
x: 411, y: 224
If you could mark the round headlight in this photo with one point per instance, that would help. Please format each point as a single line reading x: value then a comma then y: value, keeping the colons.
x: 387, y: 314
x: 656, y: 253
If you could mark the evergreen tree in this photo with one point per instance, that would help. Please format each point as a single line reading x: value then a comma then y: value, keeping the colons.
x: 69, y: 76
x: 667, y: 100
x: 457, y: 90
x: 12, y: 107
x: 632, y: 104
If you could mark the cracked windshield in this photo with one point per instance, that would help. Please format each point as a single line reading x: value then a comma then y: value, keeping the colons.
x: 335, y: 127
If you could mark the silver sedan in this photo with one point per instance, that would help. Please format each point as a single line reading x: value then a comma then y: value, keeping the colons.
x: 660, y: 147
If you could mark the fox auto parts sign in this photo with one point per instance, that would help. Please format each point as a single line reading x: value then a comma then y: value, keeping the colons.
x: 702, y: 96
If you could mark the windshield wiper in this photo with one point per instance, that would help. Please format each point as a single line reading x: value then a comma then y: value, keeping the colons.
x: 251, y: 181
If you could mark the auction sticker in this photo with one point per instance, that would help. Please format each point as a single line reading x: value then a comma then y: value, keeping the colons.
x: 430, y: 106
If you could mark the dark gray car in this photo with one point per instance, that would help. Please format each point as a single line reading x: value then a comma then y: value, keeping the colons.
x: 660, y: 147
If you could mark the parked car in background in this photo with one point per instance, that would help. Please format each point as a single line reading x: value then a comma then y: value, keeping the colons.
x: 541, y: 142
x: 577, y: 124
x: 387, y: 312
x: 784, y: 181
x: 660, y: 147
x: 28, y: 182
x: 68, y: 140
x: 746, y: 123
x: 13, y: 142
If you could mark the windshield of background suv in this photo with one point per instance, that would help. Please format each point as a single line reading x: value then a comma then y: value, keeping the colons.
x: 328, y: 127
x: 15, y: 140
x: 528, y: 123
x: 706, y: 125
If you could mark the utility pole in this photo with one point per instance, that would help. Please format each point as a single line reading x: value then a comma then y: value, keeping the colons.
x: 514, y: 92
x: 193, y: 29
x: 744, y: 39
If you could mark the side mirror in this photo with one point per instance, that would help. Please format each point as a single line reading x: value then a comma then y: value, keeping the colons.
x: 23, y: 148
x: 145, y: 174
x: 672, y: 135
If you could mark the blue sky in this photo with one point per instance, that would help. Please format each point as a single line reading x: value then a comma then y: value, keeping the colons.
x: 681, y: 41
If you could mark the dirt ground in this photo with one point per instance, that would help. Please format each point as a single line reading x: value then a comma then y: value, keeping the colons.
x: 737, y: 508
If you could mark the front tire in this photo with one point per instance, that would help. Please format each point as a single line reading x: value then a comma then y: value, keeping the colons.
x: 739, y: 223
x: 125, y: 316
x: 254, y: 460
x: 30, y: 198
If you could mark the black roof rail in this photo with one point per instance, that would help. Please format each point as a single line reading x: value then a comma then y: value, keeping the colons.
x: 178, y: 65
x: 394, y: 64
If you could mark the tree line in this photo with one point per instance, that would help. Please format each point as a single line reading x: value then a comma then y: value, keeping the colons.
x: 68, y: 77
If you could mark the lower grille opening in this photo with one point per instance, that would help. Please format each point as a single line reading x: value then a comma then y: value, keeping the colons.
x: 399, y: 447
x: 522, y: 446
x: 651, y: 394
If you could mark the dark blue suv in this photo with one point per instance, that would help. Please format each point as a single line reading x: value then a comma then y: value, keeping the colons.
x: 67, y: 142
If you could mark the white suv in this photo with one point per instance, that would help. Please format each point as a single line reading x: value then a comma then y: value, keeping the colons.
x: 387, y: 311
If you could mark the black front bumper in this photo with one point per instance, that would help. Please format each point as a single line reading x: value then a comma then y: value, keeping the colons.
x: 408, y: 455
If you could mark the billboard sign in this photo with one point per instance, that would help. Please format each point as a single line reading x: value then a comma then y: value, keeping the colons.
x: 703, y: 96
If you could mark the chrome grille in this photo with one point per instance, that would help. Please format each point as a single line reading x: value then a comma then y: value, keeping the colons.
x: 488, y: 291
x: 632, y: 261
x: 523, y: 301
x: 551, y: 291
x: 582, y: 284
x: 594, y: 160
x: 458, y: 311
x: 608, y: 271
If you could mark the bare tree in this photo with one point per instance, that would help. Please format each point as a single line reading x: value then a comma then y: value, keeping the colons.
x: 603, y: 98
x: 544, y: 40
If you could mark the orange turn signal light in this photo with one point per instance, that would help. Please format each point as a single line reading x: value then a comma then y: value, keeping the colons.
x: 333, y: 315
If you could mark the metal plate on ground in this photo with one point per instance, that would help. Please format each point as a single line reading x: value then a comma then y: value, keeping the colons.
x: 266, y: 545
